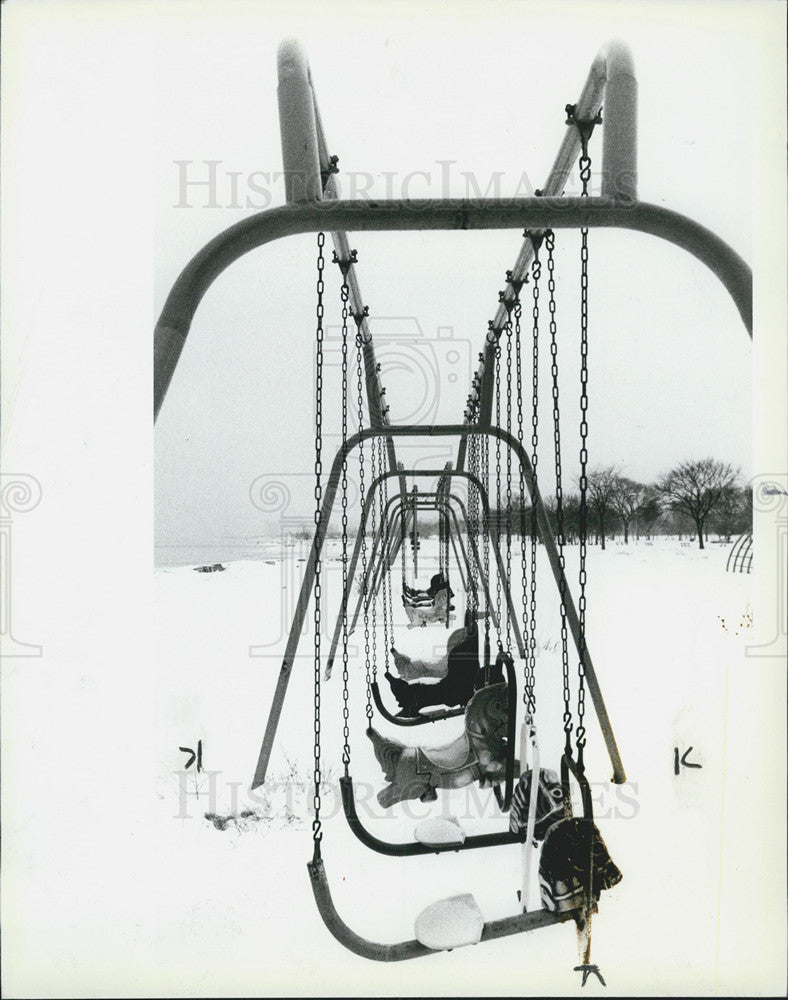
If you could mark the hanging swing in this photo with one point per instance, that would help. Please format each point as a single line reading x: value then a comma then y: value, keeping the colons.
x: 463, y: 675
x: 574, y: 865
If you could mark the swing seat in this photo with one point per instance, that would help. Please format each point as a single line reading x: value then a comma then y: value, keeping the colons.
x: 450, y: 923
x: 574, y: 861
x: 454, y: 756
x: 439, y: 832
x: 437, y: 611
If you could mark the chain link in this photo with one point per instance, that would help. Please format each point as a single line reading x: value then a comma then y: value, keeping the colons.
x: 362, y: 507
x: 549, y: 238
x: 485, y: 478
x: 475, y: 526
x: 372, y: 598
x: 317, y: 834
x: 384, y: 551
x: 345, y: 296
x: 498, y: 517
x: 388, y: 609
x: 508, y: 561
x: 518, y: 312
x: 580, y: 733
x: 536, y: 271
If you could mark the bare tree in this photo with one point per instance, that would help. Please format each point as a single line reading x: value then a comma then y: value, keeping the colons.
x: 696, y: 489
x: 733, y: 514
x: 649, y: 512
x: 626, y: 499
x: 602, y: 483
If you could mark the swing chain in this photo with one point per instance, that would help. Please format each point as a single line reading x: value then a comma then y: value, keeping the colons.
x: 387, y: 602
x: 385, y: 580
x: 316, y: 825
x: 367, y: 602
x: 580, y: 733
x: 362, y: 501
x: 498, y: 518
x: 474, y: 513
x: 508, y: 471
x: 345, y: 296
x: 549, y: 238
x: 537, y: 273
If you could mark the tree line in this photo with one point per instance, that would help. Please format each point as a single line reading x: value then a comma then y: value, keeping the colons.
x: 695, y: 498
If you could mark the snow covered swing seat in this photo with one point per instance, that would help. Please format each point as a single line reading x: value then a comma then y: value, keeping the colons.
x: 450, y: 923
x: 439, y: 831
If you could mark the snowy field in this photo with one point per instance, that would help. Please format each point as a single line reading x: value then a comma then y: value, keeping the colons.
x: 667, y: 630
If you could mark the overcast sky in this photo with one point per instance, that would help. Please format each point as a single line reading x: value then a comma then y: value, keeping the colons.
x: 425, y: 101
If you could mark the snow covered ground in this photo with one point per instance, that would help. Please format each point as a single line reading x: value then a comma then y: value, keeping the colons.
x: 668, y: 630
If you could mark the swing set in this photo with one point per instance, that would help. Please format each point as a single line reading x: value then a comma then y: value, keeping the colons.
x: 489, y: 509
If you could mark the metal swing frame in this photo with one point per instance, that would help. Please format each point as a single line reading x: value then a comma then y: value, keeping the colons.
x: 436, y: 501
x: 368, y: 595
x: 378, y: 563
x: 369, y: 591
x: 312, y: 207
x: 545, y: 533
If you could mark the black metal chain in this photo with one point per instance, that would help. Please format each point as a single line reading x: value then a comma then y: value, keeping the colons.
x: 362, y: 505
x: 317, y: 834
x: 536, y: 271
x: 498, y: 489
x: 385, y: 581
x: 345, y: 296
x: 387, y: 588
x: 485, y: 478
x: 508, y: 562
x: 414, y: 537
x: 473, y: 511
x: 370, y: 620
x: 518, y: 314
x: 580, y: 733
x: 549, y: 239
x: 585, y: 129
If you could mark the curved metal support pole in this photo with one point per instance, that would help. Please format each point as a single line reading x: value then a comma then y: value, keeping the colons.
x: 393, y: 522
x: 297, y: 124
x: 444, y: 214
x: 494, y: 543
x: 545, y: 531
x: 405, y: 950
x: 397, y: 516
x: 619, y: 132
x: 375, y: 569
x: 455, y: 537
x: 410, y: 849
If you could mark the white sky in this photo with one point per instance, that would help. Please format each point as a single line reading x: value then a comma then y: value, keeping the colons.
x: 483, y: 87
